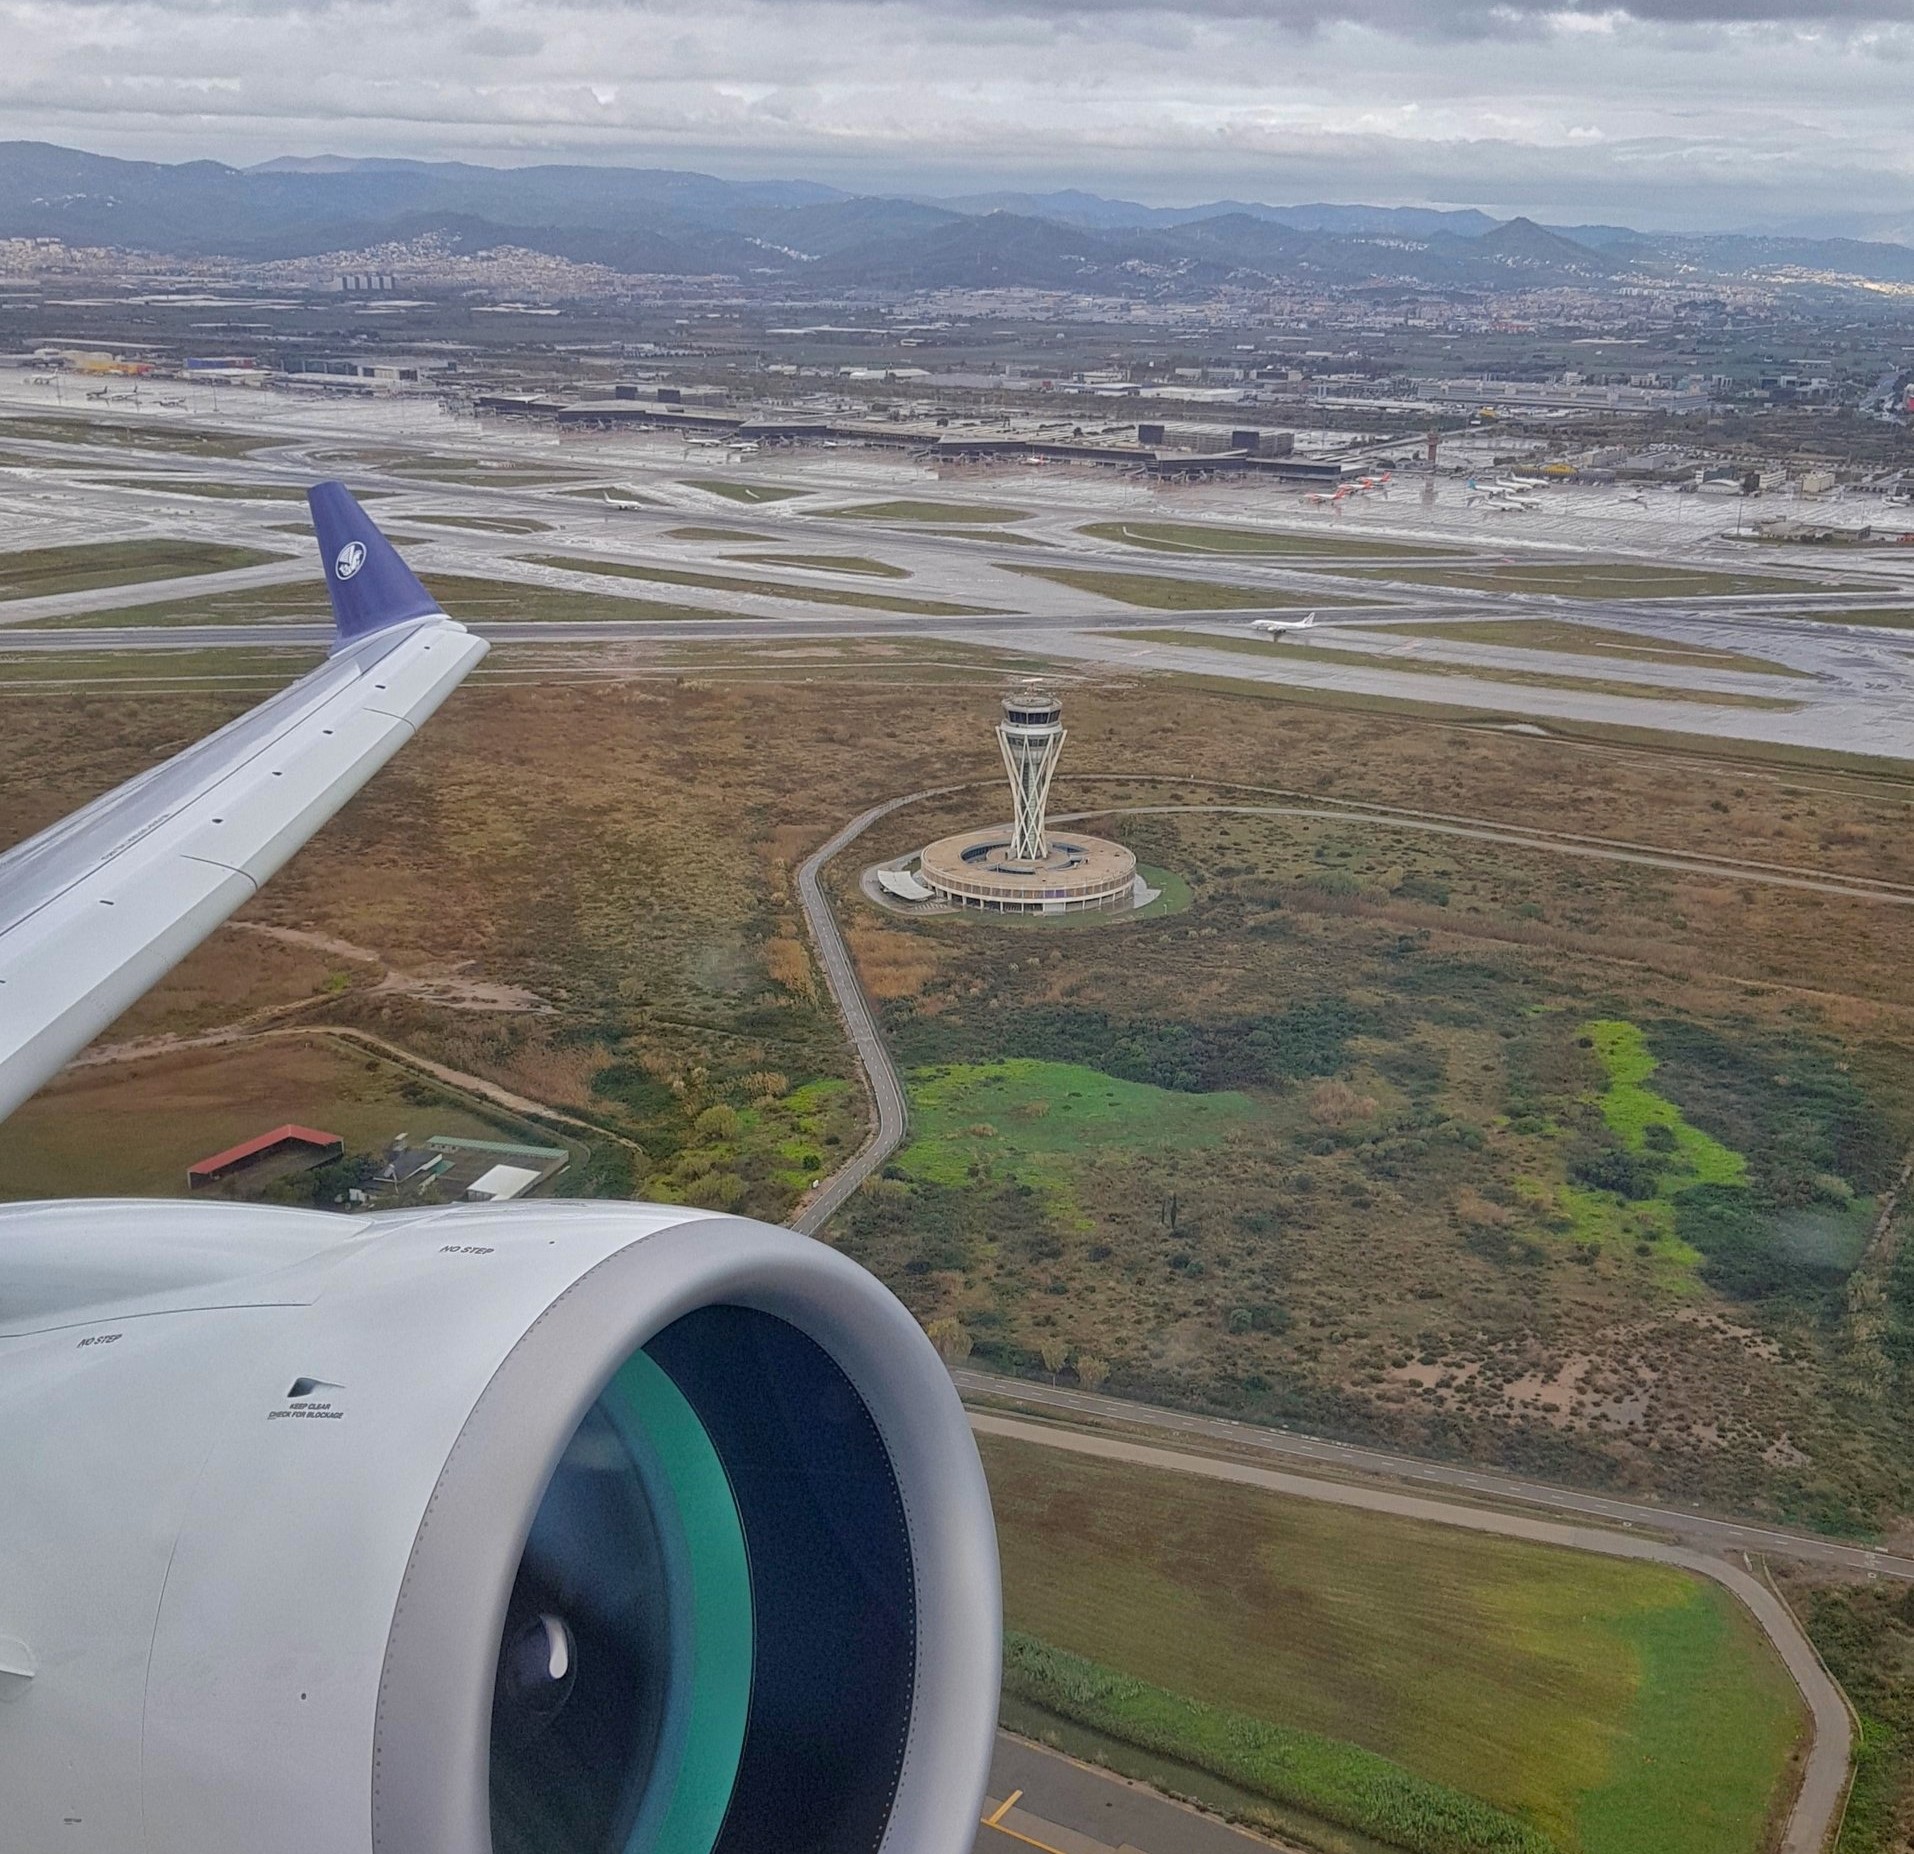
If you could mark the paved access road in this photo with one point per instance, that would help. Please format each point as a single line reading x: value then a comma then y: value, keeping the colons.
x: 1825, y: 1774
x: 1703, y: 1531
x: 1041, y: 1799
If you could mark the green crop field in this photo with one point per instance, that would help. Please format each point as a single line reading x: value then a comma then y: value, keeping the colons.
x: 743, y: 492
x: 38, y: 572
x: 827, y: 563
x: 956, y: 513
x: 1160, y: 593
x: 1185, y: 537
x: 1613, y: 1707
x: 760, y: 588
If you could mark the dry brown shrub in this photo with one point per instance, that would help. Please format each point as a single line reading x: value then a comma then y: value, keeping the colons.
x: 1334, y: 1103
x: 790, y: 965
x: 766, y: 1085
x: 1479, y: 1212
x: 892, y: 965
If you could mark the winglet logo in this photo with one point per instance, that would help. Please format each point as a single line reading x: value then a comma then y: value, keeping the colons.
x: 348, y: 560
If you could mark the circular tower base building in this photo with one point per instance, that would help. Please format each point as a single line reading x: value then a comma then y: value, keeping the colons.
x: 976, y: 869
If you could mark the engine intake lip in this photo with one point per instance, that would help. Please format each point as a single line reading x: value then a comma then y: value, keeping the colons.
x: 432, y: 1730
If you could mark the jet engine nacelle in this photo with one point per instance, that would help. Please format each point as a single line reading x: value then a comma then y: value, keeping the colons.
x: 556, y: 1529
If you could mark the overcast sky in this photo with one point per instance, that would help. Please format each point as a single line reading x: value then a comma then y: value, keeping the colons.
x: 1698, y: 113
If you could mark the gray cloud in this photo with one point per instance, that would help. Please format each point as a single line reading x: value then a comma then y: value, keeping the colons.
x: 1699, y: 112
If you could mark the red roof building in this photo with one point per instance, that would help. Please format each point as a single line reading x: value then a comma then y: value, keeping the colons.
x: 281, y: 1139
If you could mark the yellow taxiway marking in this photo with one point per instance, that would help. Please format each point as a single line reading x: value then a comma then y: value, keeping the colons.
x: 995, y: 1819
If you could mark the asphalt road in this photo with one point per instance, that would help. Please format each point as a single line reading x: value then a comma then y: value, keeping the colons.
x: 1070, y: 1808
x: 1825, y: 1771
x: 1702, y: 1531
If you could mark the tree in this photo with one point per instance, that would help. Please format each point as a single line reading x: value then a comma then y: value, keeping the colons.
x: 1055, y: 1355
x: 952, y: 1340
x: 1091, y: 1370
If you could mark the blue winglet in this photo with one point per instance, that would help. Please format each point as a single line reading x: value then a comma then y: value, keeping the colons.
x: 371, y: 586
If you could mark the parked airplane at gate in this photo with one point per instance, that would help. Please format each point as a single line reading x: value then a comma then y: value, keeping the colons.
x: 570, y: 1527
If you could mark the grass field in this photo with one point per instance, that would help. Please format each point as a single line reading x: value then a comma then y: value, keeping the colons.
x: 1431, y: 666
x: 827, y: 563
x: 1616, y: 1707
x: 1589, y: 580
x: 1183, y: 537
x: 39, y: 572
x: 1159, y: 593
x: 1001, y: 537
x: 131, y: 1129
x: 489, y: 524
x: 1901, y: 620
x: 1585, y: 640
x: 462, y: 595
x: 55, y: 428
x: 761, y: 588
x: 1325, y: 1778
x: 608, y: 493
x: 957, y: 514
x: 214, y: 492
x: 1017, y: 1117
x: 733, y: 535
x: 733, y: 491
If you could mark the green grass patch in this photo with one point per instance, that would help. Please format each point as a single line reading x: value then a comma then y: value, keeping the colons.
x: 1184, y: 537
x: 1430, y: 666
x: 51, y: 428
x: 1161, y: 594
x: 1587, y: 1697
x: 1338, y: 1781
x: 1718, y: 1739
x: 489, y: 524
x: 463, y: 596
x: 761, y: 588
x: 1631, y: 1108
x: 954, y: 514
x: 213, y: 492
x: 1587, y: 640
x: 743, y: 492
x: 608, y: 493
x: 733, y: 535
x: 996, y: 537
x: 39, y: 572
x: 1013, y: 1115
x: 1899, y: 620
x: 1588, y: 579
x: 828, y: 563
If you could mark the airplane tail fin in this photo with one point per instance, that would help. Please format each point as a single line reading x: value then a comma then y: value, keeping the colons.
x: 370, y: 586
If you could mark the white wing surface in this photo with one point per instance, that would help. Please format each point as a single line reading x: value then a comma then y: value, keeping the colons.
x: 97, y: 908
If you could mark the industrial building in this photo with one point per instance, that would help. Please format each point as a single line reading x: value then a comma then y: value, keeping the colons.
x: 1022, y: 868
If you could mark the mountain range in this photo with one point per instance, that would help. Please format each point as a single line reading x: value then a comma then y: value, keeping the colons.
x: 654, y: 220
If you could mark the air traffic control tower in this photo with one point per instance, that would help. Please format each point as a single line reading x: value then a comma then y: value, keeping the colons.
x: 1024, y: 869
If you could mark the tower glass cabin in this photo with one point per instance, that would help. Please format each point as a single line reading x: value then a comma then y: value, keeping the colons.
x: 1031, y: 736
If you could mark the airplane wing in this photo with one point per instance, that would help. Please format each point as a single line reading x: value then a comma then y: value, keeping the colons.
x: 96, y: 908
